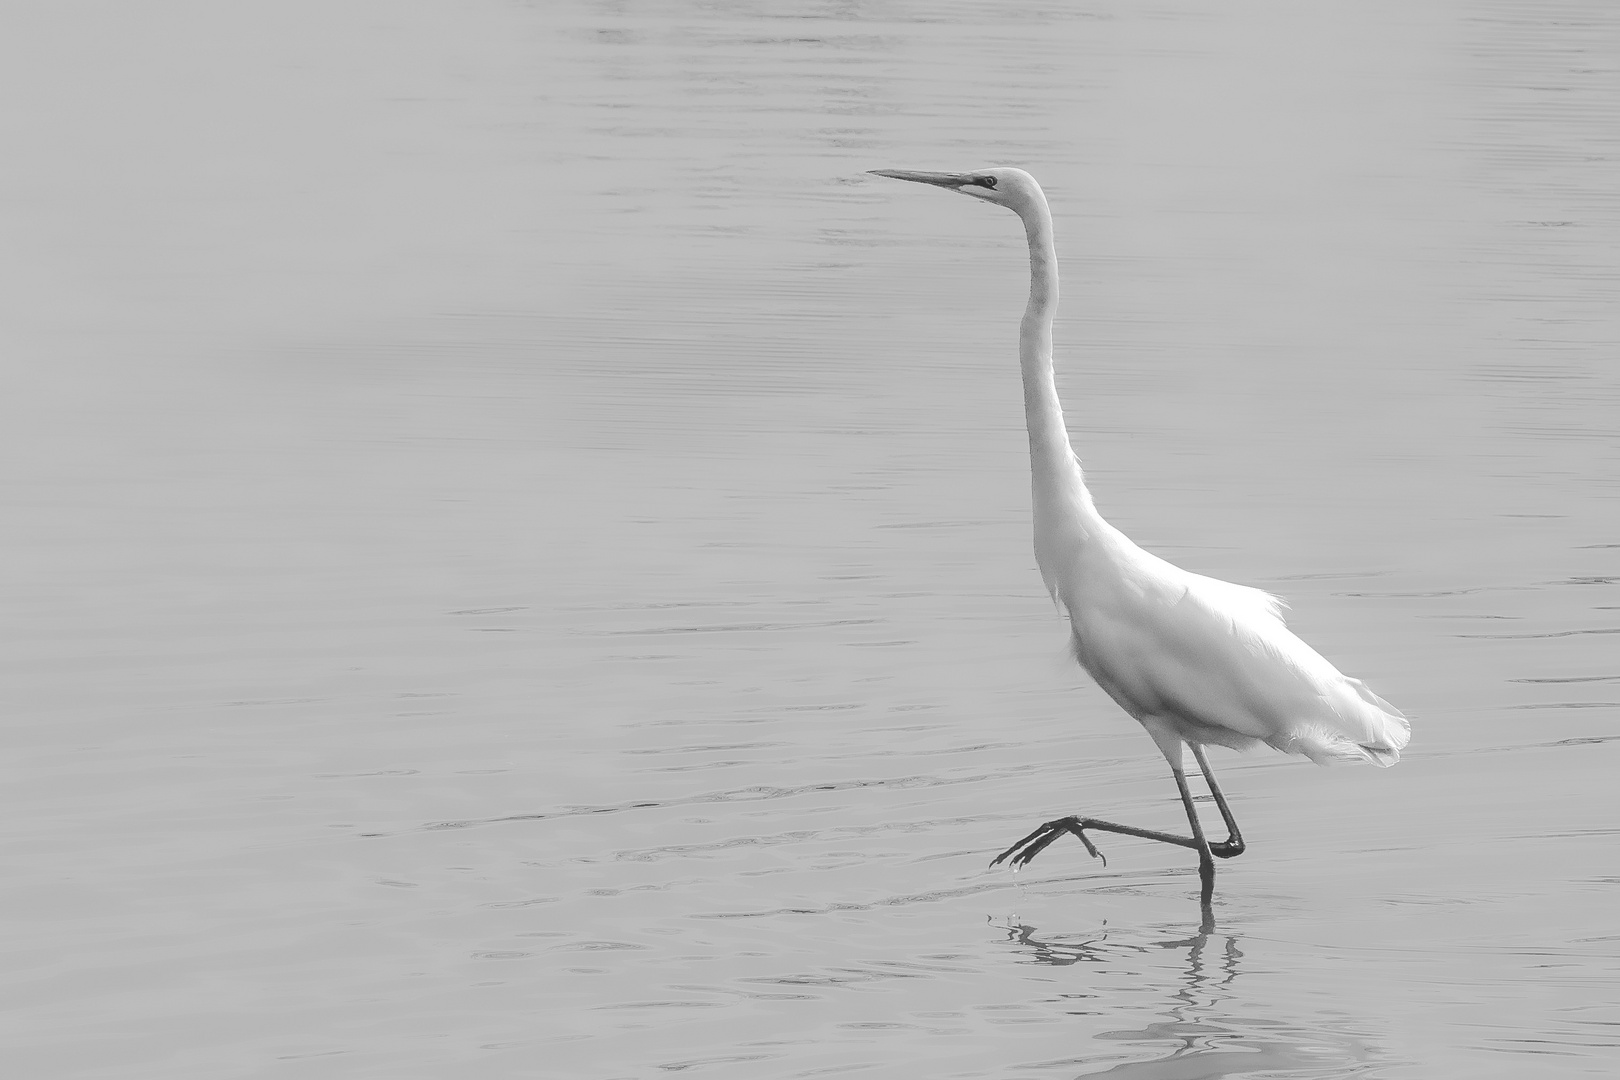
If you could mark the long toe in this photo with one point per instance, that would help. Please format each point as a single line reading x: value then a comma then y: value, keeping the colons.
x: 1051, y: 832
x: 1037, y: 834
x: 1086, y: 840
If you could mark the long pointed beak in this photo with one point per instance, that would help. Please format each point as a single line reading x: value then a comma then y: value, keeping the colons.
x: 938, y: 179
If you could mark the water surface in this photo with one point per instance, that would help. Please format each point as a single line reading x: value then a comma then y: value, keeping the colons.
x: 519, y: 560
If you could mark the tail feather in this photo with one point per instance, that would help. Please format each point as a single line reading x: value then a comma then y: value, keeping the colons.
x: 1331, y: 747
x: 1382, y: 757
x: 1361, y: 728
x: 1390, y: 727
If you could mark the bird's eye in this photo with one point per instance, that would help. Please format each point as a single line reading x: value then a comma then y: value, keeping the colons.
x: 987, y: 181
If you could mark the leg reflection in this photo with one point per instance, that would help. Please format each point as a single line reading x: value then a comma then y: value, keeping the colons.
x: 1204, y: 1027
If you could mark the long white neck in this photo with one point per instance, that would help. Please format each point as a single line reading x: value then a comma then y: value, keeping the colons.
x: 1061, y: 498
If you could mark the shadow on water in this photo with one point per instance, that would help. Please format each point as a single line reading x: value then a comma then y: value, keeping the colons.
x: 1200, y: 1031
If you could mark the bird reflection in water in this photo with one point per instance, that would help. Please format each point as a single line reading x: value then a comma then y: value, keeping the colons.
x: 1199, y: 1034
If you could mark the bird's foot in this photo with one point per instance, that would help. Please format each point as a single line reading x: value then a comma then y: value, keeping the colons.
x: 1038, y: 841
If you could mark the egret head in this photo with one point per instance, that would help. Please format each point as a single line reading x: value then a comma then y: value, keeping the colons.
x: 1013, y: 188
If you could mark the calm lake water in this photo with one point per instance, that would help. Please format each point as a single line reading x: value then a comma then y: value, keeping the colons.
x: 518, y: 559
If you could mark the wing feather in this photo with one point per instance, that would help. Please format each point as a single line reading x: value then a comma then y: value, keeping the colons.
x: 1217, y: 662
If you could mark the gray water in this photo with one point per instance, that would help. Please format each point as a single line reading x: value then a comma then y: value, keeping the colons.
x: 518, y: 562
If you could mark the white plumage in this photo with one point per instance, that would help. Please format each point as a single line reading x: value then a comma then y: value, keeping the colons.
x: 1213, y: 661
x: 1196, y: 660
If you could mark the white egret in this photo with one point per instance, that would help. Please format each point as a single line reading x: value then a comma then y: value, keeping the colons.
x: 1197, y: 661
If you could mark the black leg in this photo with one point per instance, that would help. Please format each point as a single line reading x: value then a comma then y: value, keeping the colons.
x: 1232, y: 846
x: 1206, y: 860
x: 1038, y: 841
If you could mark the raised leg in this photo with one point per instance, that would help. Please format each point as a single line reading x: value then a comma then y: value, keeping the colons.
x: 1039, y: 840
